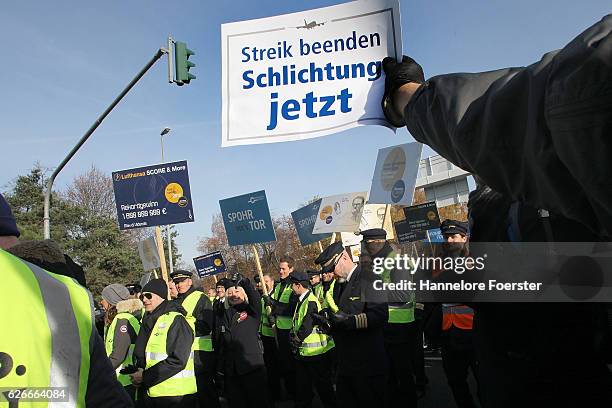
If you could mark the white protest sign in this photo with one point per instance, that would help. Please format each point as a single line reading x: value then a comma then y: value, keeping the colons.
x: 340, y: 213
x: 372, y: 216
x: 395, y: 174
x: 149, y: 256
x: 308, y: 74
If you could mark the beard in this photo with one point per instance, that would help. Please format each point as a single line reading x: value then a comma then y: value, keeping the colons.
x: 454, y: 249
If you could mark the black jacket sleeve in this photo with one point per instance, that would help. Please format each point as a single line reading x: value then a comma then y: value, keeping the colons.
x: 203, y: 314
x: 122, y: 339
x: 103, y: 389
x: 377, y: 314
x: 254, y: 298
x: 178, y: 348
x: 538, y: 134
x: 307, y: 324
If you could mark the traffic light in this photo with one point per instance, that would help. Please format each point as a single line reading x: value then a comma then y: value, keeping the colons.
x: 182, y: 63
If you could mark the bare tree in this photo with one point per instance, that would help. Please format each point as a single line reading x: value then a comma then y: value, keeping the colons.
x: 93, y: 191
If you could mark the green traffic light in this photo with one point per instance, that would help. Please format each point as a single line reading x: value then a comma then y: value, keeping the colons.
x: 182, y: 63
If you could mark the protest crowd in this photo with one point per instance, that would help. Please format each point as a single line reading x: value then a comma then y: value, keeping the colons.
x: 266, y: 341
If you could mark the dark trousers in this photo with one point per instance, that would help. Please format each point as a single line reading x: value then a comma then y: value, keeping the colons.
x: 402, y: 388
x: 271, y: 362
x: 418, y: 356
x: 286, y: 361
x: 314, y: 372
x: 204, y: 362
x: 361, y: 391
x: 457, y: 357
x: 247, y: 390
x: 185, y: 401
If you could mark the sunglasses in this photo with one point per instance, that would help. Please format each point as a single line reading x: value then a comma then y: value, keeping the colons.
x: 147, y: 295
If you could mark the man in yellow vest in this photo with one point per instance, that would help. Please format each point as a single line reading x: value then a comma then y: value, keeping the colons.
x: 199, y: 308
x: 310, y: 347
x: 316, y: 286
x: 329, y: 287
x: 400, y: 330
x: 51, y: 341
x: 163, y: 351
x: 284, y: 301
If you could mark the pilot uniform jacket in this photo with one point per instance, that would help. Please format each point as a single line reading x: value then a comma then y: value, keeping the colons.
x: 236, y: 334
x: 361, y: 352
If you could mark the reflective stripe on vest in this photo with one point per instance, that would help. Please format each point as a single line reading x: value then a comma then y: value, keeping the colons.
x: 264, y: 326
x: 182, y: 383
x: 50, y: 334
x: 200, y: 343
x: 401, y: 313
x: 458, y: 315
x: 329, y: 302
x: 124, y: 379
x: 282, y: 322
x: 315, y: 343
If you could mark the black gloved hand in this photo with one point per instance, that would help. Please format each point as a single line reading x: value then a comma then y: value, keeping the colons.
x: 268, y: 301
x: 236, y: 278
x: 321, y: 320
x: 295, y: 344
x: 398, y: 74
x: 129, y: 369
x: 341, y: 320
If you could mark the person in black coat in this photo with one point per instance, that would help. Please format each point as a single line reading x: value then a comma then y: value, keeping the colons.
x: 236, y: 339
x: 357, y: 329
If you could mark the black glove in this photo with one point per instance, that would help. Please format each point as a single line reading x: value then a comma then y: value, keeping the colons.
x: 272, y: 320
x: 398, y: 74
x: 341, y: 320
x: 268, y: 301
x: 129, y: 369
x: 295, y: 344
x: 236, y: 278
x: 321, y: 320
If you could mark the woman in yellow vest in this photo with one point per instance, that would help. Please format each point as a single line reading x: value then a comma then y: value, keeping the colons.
x: 122, y: 324
x: 310, y: 347
x: 163, y: 351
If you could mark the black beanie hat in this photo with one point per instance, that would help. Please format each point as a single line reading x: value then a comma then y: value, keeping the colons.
x: 8, y: 225
x: 157, y: 286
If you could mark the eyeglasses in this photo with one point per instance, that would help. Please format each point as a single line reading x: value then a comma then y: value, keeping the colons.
x: 146, y: 295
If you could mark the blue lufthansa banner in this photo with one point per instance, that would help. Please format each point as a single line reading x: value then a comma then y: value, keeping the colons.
x: 247, y: 219
x: 153, y: 195
x: 210, y: 264
x: 304, y: 220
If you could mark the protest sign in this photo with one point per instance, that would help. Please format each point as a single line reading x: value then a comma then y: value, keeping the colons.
x: 395, y: 174
x: 307, y: 74
x: 209, y: 264
x: 406, y: 234
x: 147, y: 249
x: 435, y: 235
x: 304, y: 220
x: 153, y: 195
x: 422, y: 217
x: 247, y: 219
x: 340, y: 213
x: 372, y: 216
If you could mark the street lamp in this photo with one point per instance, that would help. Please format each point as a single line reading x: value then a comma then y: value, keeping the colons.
x: 164, y: 132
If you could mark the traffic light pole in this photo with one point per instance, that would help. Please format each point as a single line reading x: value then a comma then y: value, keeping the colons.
x: 156, y: 57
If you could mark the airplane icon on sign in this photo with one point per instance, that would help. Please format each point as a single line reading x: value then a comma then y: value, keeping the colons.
x: 311, y: 25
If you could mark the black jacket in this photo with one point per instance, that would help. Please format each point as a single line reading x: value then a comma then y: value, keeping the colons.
x: 538, y: 134
x: 361, y: 352
x: 203, y: 312
x: 178, y: 345
x: 236, y: 336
